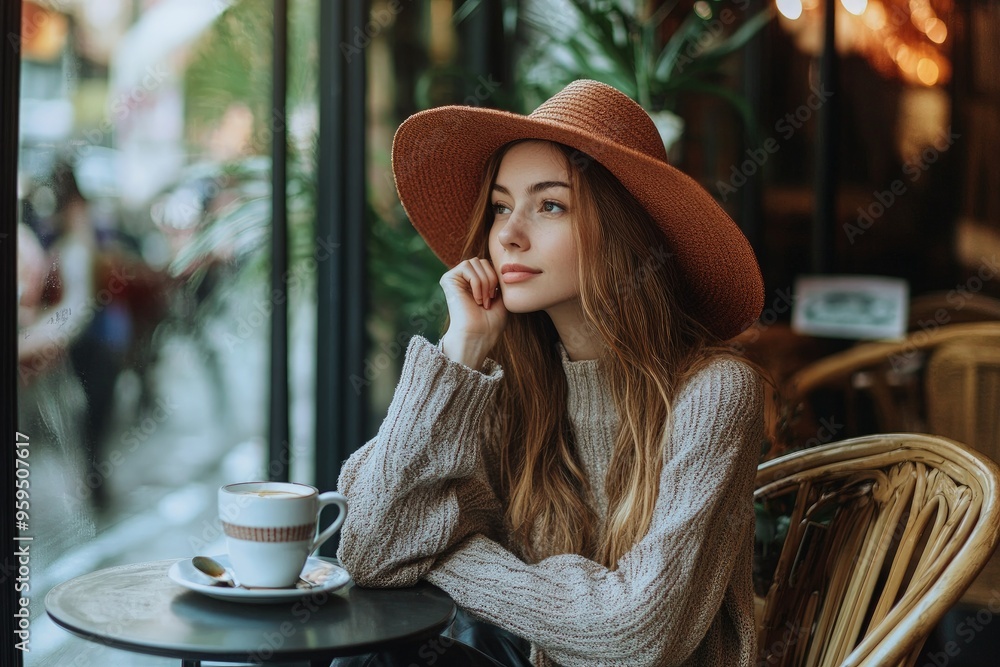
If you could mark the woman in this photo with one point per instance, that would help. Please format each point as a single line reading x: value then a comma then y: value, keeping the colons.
x: 574, y: 462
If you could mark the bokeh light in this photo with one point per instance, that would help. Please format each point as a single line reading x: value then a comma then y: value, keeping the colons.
x: 790, y: 9
x: 927, y: 71
x: 856, y: 7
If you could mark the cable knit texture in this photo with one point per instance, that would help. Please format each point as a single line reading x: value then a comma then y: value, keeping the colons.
x: 424, y: 505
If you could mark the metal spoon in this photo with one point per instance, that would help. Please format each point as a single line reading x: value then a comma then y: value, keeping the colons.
x: 216, y: 570
x: 221, y: 574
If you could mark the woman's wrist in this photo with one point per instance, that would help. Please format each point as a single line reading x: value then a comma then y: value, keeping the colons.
x: 464, y: 350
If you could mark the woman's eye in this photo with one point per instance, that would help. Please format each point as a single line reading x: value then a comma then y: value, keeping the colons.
x: 499, y: 209
x: 551, y: 206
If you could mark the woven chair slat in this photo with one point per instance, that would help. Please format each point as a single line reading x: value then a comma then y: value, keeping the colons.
x: 885, y: 534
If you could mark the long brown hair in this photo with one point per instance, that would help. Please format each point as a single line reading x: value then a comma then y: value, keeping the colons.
x: 629, y: 295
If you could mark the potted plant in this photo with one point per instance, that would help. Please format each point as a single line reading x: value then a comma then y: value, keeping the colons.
x: 609, y: 42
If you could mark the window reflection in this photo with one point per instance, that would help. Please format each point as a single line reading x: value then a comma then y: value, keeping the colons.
x: 144, y: 187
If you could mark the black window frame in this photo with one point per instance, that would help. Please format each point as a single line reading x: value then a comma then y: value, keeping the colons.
x: 10, y: 74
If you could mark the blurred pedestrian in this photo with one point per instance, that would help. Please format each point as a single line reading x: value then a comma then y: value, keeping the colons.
x: 74, y: 319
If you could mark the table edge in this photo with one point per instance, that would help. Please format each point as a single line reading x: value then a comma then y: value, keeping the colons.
x: 278, y: 655
x: 228, y: 656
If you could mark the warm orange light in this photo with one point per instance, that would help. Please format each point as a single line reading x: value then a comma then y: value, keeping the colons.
x: 937, y: 31
x: 908, y: 65
x: 874, y: 17
x: 927, y: 71
x: 883, y: 34
x: 43, y: 32
x: 919, y: 16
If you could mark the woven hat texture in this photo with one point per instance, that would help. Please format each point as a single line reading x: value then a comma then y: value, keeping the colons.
x: 439, y: 156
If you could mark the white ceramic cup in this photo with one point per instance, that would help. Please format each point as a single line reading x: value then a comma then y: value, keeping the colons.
x: 271, y: 529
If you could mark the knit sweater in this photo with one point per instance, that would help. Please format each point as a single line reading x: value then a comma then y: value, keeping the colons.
x: 424, y: 505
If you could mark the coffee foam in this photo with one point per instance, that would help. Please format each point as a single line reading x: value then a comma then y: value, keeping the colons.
x: 267, y: 493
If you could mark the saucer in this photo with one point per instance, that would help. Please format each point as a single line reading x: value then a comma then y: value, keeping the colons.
x: 323, y: 570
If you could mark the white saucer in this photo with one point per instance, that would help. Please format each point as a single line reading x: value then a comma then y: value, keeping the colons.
x: 320, y: 569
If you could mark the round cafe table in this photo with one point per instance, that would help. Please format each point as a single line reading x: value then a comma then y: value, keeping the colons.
x: 138, y: 608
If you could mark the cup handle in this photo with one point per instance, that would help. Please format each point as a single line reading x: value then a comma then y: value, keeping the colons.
x: 329, y: 498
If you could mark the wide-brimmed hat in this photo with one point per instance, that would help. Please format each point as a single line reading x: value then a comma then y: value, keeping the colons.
x: 439, y: 158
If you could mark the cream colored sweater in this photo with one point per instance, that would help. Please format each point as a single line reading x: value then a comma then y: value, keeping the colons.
x: 423, y: 505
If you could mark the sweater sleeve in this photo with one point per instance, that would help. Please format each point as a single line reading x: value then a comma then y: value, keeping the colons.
x: 666, y: 592
x: 420, y: 486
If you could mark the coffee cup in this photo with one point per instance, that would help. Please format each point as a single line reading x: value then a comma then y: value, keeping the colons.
x: 271, y: 528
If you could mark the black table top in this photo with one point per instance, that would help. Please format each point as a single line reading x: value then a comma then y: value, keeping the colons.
x: 138, y: 608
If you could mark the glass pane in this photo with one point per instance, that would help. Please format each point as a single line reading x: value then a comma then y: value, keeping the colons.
x: 143, y: 275
x: 415, y: 63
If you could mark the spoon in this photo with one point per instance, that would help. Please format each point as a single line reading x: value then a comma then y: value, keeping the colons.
x: 220, y: 574
x: 216, y: 570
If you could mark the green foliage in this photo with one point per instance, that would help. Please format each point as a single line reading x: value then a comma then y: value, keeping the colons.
x: 611, y: 43
x: 406, y: 298
x: 232, y: 65
x: 242, y: 226
x: 772, y: 520
x: 771, y: 526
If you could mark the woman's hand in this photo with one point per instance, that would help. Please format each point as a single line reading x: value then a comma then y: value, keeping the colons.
x: 476, y: 311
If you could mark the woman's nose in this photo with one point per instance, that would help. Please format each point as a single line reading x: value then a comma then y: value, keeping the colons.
x: 513, y: 233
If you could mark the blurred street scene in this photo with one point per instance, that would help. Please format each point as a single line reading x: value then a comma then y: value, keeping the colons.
x: 144, y: 312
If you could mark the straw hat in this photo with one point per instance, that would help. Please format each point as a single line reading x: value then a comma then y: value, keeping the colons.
x: 438, y: 161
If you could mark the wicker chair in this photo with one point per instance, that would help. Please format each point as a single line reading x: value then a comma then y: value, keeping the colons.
x: 957, y: 307
x: 885, y: 532
x: 889, y: 376
x: 963, y: 393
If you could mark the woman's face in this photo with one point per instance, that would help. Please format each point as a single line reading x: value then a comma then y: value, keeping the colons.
x: 532, y: 243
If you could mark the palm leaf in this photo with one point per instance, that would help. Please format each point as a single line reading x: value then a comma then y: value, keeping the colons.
x: 741, y: 36
x: 667, y: 59
x: 738, y: 101
x: 244, y: 226
x: 613, y: 45
x: 465, y: 11
x: 598, y: 26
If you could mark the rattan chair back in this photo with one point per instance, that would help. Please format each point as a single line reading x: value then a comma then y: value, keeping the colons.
x: 952, y: 307
x: 884, y: 534
x: 888, y: 375
x: 963, y: 393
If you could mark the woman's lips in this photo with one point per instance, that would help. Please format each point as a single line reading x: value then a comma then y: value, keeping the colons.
x: 515, y: 273
x: 517, y: 276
